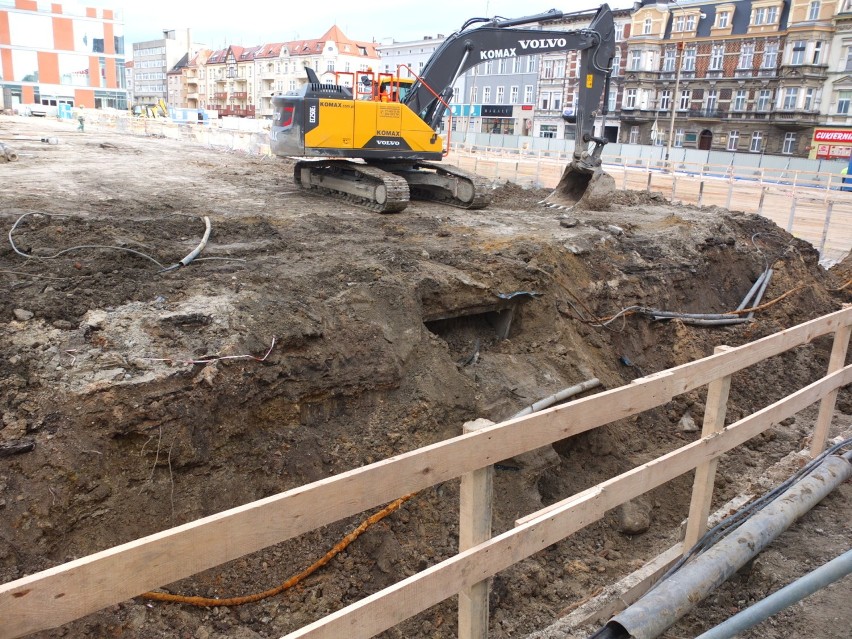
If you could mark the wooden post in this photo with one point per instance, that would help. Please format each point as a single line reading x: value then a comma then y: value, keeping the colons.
x: 700, y: 192
x: 730, y: 194
x: 705, y: 474
x: 624, y: 175
x: 826, y: 406
x: 475, y: 500
x: 760, y: 203
x: 674, y: 186
x: 648, y: 187
x: 825, y: 228
x: 792, y: 217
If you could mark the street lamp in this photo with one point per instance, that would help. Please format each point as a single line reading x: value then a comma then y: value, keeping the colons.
x: 678, y: 61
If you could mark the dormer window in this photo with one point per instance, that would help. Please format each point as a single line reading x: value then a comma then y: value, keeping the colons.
x: 722, y: 19
x: 646, y: 27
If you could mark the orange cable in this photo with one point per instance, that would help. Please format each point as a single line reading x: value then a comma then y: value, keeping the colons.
x: 204, y: 602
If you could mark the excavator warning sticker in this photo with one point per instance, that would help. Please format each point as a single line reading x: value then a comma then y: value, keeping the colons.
x: 590, y: 80
x: 389, y: 111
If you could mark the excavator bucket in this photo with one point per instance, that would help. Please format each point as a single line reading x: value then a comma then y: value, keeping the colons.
x: 581, y: 187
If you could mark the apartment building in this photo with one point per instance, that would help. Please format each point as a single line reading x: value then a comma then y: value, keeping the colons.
x: 152, y: 61
x: 53, y: 53
x: 740, y: 75
x: 832, y: 137
x: 556, y: 89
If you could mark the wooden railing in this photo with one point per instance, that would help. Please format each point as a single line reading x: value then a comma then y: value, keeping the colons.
x: 69, y: 591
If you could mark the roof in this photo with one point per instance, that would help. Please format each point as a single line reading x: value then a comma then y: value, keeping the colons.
x: 739, y: 21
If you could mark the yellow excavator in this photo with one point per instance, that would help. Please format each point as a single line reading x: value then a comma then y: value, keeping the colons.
x: 382, y: 151
x: 158, y: 110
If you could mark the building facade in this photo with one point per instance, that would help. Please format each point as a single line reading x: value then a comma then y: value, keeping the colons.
x: 152, y: 61
x: 732, y: 75
x: 52, y: 54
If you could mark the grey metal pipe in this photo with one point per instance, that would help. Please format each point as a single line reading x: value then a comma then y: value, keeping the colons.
x: 716, y: 322
x: 558, y: 397
x: 826, y: 574
x: 675, y: 315
x: 673, y: 598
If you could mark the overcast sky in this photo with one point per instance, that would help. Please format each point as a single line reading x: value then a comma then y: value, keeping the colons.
x: 248, y: 22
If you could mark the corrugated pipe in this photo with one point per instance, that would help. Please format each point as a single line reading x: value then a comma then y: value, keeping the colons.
x: 674, y: 597
x: 752, y: 291
x: 760, y: 293
x: 826, y: 574
x: 558, y: 397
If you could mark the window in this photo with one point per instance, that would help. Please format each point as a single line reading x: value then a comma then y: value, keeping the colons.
x: 791, y: 98
x: 722, y: 19
x: 809, y: 100
x: 717, y: 55
x: 531, y: 62
x: 486, y: 95
x: 500, y: 95
x: 559, y: 69
x: 844, y: 99
x: 685, y: 99
x: 544, y: 102
x: 679, y: 136
x: 690, y: 23
x: 665, y: 100
x: 772, y: 15
x: 502, y: 65
x: 739, y: 103
x: 634, y: 135
x: 557, y: 100
x: 630, y: 99
x: 548, y: 131
x: 746, y: 56
x: 789, y: 143
x: 528, y: 94
x: 764, y: 99
x: 817, y: 52
x: 646, y: 27
x: 712, y: 100
x: 813, y: 10
x: 797, y: 55
x: 613, y: 97
x: 619, y: 32
x: 756, y: 142
x: 489, y: 68
x: 547, y: 69
x: 770, y: 56
x: 635, y: 60
x: 689, y: 59
x: 848, y: 59
x: 733, y: 140
x: 329, y: 65
x: 758, y: 16
x: 513, y: 95
x: 473, y: 95
x: 679, y: 22
x: 670, y: 56
x: 616, y: 62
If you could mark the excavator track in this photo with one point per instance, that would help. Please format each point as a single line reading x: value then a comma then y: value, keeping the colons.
x: 361, y: 184
x: 447, y: 184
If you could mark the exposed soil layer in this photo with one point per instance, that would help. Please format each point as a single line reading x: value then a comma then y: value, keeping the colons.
x: 387, y: 336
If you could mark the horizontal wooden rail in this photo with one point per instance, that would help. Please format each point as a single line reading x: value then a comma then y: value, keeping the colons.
x: 75, y: 589
x: 406, y: 598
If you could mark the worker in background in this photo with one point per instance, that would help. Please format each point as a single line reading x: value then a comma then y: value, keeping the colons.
x: 81, y: 118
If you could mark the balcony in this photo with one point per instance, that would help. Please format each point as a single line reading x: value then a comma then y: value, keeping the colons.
x: 794, y: 119
x: 239, y: 95
x: 819, y: 71
x: 632, y: 114
x: 193, y: 95
x: 220, y: 95
x: 240, y: 80
x: 239, y: 112
x: 715, y: 73
x: 744, y: 73
x: 706, y: 114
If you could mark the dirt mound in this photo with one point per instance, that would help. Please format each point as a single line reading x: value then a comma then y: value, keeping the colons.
x: 146, y: 399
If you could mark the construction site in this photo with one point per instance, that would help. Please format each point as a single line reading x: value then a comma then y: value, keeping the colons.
x: 213, y: 383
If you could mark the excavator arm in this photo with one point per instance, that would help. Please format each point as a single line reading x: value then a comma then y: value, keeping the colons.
x: 498, y: 38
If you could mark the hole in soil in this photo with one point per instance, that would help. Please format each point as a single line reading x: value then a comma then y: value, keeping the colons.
x: 467, y: 331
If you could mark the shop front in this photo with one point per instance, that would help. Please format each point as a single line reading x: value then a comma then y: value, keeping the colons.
x: 831, y: 144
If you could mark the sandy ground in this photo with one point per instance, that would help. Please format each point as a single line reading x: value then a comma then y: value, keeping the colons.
x: 130, y: 406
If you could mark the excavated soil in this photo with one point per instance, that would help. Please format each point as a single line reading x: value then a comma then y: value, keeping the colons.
x: 128, y: 407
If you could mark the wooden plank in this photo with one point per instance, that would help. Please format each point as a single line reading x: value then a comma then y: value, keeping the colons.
x: 398, y: 602
x: 715, y: 410
x: 476, y: 496
x: 75, y: 589
x: 826, y: 407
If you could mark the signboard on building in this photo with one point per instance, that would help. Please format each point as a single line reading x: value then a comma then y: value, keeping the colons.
x: 831, y: 144
x: 496, y: 110
x: 465, y: 110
